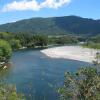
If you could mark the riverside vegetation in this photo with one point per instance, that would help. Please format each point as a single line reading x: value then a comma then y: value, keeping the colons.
x: 83, y: 85
x: 93, y: 42
x: 10, y: 42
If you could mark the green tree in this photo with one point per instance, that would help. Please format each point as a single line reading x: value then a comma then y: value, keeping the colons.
x: 83, y: 85
x: 40, y: 40
x: 15, y: 44
x: 91, y: 44
x: 5, y: 50
x: 6, y: 36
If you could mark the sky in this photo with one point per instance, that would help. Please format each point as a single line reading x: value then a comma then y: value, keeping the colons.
x: 14, y: 10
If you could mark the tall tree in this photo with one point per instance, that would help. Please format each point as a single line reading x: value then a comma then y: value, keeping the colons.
x: 5, y: 51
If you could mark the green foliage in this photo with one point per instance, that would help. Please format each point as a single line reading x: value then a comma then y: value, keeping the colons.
x: 31, y: 40
x: 5, y: 50
x: 41, y: 40
x: 55, y: 25
x: 23, y: 40
x: 95, y: 39
x: 15, y: 44
x: 91, y: 44
x: 8, y: 92
x: 65, y: 39
x: 5, y: 36
x: 83, y: 85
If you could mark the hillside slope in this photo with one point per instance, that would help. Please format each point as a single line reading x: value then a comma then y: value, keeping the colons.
x: 54, y: 25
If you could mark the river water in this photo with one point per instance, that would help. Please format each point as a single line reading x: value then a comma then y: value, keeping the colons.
x: 38, y: 76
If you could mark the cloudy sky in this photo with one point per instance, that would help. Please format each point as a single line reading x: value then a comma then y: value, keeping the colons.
x: 13, y: 10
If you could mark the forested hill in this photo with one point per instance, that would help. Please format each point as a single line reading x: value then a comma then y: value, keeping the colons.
x: 54, y: 25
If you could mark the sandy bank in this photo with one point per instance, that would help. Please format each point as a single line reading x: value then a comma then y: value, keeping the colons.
x: 71, y: 52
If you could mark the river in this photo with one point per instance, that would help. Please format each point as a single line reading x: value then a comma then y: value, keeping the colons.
x: 38, y: 76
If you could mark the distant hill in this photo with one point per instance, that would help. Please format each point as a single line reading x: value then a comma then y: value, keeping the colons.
x: 54, y: 25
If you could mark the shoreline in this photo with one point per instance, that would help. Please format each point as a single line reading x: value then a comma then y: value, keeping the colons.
x: 4, y: 65
x: 71, y: 52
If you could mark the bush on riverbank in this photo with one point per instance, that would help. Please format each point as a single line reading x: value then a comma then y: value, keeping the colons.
x: 92, y: 45
x: 8, y: 92
x: 93, y: 42
x: 83, y: 85
x: 5, y: 51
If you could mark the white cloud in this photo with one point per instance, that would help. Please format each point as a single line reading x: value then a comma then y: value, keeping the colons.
x: 34, y: 5
x: 54, y: 3
x: 22, y: 5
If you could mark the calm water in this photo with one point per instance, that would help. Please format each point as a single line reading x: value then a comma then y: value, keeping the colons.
x: 38, y: 76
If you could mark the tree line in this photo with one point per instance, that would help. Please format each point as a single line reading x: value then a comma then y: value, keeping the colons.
x: 11, y: 41
x: 92, y: 42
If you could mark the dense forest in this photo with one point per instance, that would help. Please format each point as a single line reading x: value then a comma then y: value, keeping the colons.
x: 54, y: 26
x: 31, y: 41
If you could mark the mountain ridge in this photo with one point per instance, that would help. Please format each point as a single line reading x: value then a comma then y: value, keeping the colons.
x: 54, y: 25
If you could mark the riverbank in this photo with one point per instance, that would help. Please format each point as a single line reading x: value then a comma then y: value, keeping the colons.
x: 72, y: 52
x: 4, y: 65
